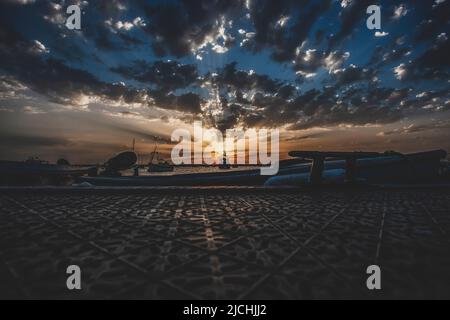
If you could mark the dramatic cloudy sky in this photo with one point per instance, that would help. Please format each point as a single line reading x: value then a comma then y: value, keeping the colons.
x: 139, y: 69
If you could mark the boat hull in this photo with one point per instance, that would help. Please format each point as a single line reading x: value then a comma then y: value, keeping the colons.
x: 160, y: 168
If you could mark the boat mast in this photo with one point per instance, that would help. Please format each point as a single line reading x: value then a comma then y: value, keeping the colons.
x: 153, y: 154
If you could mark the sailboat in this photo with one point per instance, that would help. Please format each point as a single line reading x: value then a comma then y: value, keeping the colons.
x: 160, y: 165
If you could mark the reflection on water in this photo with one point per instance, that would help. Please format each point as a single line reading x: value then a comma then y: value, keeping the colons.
x: 187, y: 170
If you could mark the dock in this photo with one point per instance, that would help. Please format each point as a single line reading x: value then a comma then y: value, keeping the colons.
x: 225, y: 243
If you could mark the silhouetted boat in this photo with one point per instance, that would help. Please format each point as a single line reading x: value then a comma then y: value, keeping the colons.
x: 160, y: 166
x: 122, y: 161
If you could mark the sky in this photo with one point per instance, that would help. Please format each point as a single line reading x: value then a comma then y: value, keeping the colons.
x: 141, y: 69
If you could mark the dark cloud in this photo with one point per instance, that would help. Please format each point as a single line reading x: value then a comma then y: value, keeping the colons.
x: 427, y: 101
x: 352, y: 74
x: 31, y: 140
x: 188, y: 102
x: 437, y: 21
x: 247, y: 98
x: 345, y: 115
x: 111, y: 8
x: 107, y: 38
x: 433, y: 64
x: 350, y: 17
x: 136, y: 132
x: 97, y: 17
x: 231, y: 116
x: 384, y: 56
x: 19, y: 2
x: 357, y: 106
x: 231, y: 77
x: 414, y: 128
x: 21, y: 59
x: 281, y: 30
x: 164, y: 75
x: 64, y: 84
x: 281, y: 37
x: 178, y: 28
x: 130, y: 41
x: 248, y: 103
x: 308, y: 61
x: 310, y: 136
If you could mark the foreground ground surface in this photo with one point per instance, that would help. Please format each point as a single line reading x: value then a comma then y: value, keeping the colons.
x: 229, y: 244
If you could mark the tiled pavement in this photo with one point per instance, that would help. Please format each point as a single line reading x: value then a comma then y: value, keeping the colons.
x: 225, y: 245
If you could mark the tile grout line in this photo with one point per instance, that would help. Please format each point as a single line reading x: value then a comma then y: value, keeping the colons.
x: 381, y: 231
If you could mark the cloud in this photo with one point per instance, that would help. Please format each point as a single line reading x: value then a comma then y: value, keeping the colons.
x: 308, y: 62
x: 125, y: 25
x: 436, y: 22
x: 10, y: 88
x: 387, y: 55
x: 379, y: 34
x: 357, y: 106
x: 183, y: 28
x: 433, y: 64
x: 352, y: 74
x: 111, y: 8
x: 283, y: 42
x: 250, y: 102
x: 314, y: 135
x: 38, y: 48
x: 401, y: 71
x: 433, y: 100
x: 351, y: 17
x: 55, y: 12
x: 164, y: 75
x: 189, y: 102
x: 135, y: 132
x: 101, y: 23
x: 292, y: 34
x: 442, y: 38
x: 17, y: 140
x: 400, y: 11
x: 33, y: 110
x: 243, y: 80
x: 345, y: 3
x: 417, y: 128
x: 70, y: 86
x: 20, y: 2
x: 344, y: 115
